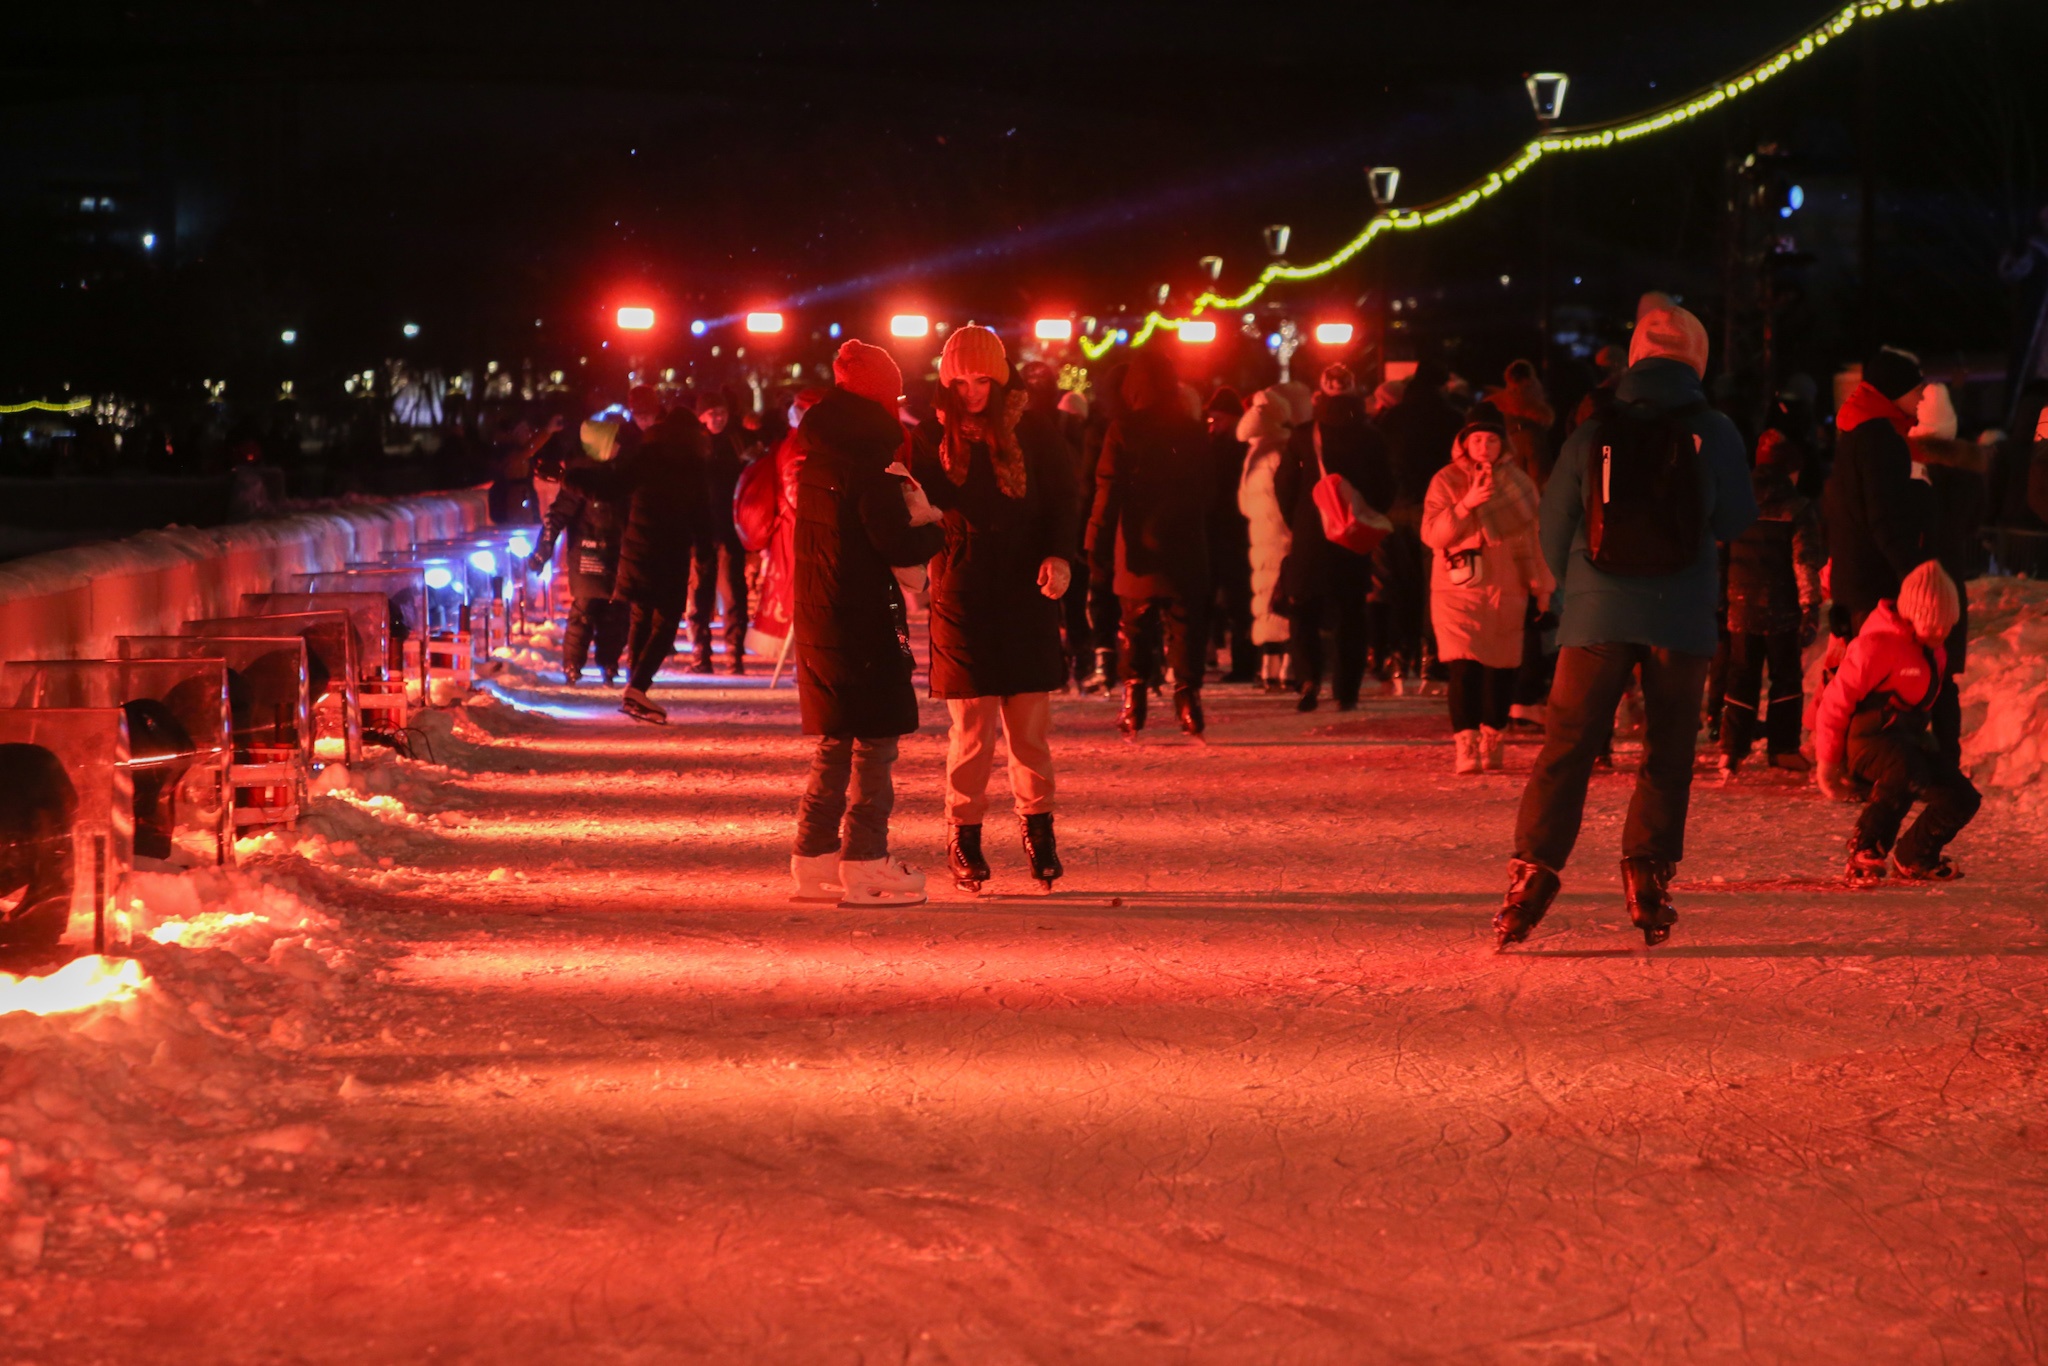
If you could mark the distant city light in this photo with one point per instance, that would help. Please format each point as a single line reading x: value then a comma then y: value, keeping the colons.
x: 1199, y: 330
x: 1054, y: 329
x: 288, y: 336
x: 698, y: 327
x: 910, y: 325
x: 832, y: 331
x: 634, y: 319
x: 149, y: 241
x: 764, y: 322
x: 1272, y: 341
x: 1334, y: 334
x: 412, y: 329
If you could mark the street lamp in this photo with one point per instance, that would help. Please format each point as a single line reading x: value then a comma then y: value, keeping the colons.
x: 1276, y: 236
x: 1334, y: 334
x: 1053, y: 329
x: 634, y: 319
x: 1546, y: 94
x: 288, y: 336
x: 1198, y: 330
x: 910, y: 325
x: 764, y: 322
x: 411, y: 329
x: 1385, y: 182
x: 1547, y: 90
x: 1211, y: 266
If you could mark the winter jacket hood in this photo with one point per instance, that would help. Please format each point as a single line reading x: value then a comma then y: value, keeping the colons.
x: 1674, y: 611
x: 1265, y: 418
x: 1866, y: 404
x: 1886, y: 665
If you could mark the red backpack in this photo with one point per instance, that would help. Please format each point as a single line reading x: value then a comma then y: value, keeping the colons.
x: 756, y: 504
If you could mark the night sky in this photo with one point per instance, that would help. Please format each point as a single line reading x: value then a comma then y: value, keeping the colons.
x: 340, y: 170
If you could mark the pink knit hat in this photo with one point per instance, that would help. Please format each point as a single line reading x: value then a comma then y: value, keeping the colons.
x: 1672, y: 333
x: 868, y: 371
x: 974, y: 352
x: 1929, y: 602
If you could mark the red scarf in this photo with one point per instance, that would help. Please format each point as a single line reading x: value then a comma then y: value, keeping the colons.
x: 1866, y: 404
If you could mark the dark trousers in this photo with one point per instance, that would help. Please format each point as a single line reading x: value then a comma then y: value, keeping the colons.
x: 865, y: 766
x: 1074, y: 624
x: 1901, y: 770
x: 598, y: 621
x: 1532, y: 680
x: 1105, y: 617
x: 1589, y: 684
x: 1748, y: 656
x: 649, y: 640
x: 711, y: 556
x: 1149, y: 625
x: 1231, y: 612
x: 1479, y: 696
x: 1346, y: 612
x: 1400, y: 572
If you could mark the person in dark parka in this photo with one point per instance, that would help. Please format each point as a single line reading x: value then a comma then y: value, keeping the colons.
x: 1230, y: 539
x: 1005, y: 483
x: 660, y: 483
x: 1148, y: 537
x: 855, y: 527
x: 591, y: 557
x: 721, y: 559
x: 1327, y: 583
x: 1773, y: 610
x: 1874, y: 535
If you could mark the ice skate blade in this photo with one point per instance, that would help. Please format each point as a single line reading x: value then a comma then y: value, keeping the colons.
x: 644, y: 717
x: 1653, y: 935
x: 967, y: 885
x: 883, y: 899
x: 822, y: 899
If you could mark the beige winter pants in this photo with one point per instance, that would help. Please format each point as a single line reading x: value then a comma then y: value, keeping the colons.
x: 1026, y: 721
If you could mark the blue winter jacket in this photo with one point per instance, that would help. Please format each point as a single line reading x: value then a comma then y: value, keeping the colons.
x: 1675, y: 611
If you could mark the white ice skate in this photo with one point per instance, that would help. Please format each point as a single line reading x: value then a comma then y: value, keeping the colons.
x: 637, y: 705
x: 880, y: 882
x: 817, y: 879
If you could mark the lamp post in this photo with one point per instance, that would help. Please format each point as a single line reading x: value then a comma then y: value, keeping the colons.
x: 1547, y: 90
x: 1385, y: 183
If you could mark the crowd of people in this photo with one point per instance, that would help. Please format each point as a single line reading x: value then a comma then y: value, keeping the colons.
x: 1638, y: 556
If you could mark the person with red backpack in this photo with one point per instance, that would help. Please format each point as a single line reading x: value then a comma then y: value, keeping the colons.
x: 1875, y: 729
x: 1629, y: 520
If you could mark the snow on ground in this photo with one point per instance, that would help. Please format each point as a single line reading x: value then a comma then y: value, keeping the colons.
x: 521, y: 1055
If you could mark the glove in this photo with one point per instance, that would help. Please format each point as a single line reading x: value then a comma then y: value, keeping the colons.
x: 1832, y: 781
x: 1054, y: 576
x: 1809, y: 627
x: 922, y: 513
x: 536, y: 562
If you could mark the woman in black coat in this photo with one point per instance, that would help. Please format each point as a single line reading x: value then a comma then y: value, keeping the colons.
x: 1006, y: 485
x: 1149, y: 536
x: 854, y: 529
x: 1325, y: 583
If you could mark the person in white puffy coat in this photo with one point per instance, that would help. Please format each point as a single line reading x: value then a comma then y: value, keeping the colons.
x: 1264, y: 430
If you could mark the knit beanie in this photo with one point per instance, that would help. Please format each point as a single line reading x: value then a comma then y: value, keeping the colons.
x: 1671, y: 333
x: 1892, y: 372
x: 1483, y: 418
x: 1225, y: 401
x: 868, y: 371
x: 973, y: 352
x: 1937, y: 415
x: 1074, y: 403
x: 1929, y: 601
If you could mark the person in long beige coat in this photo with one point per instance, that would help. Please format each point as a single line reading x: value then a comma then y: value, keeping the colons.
x: 1479, y: 522
x: 1263, y: 429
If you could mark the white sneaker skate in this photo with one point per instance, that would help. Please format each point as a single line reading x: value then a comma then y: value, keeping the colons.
x: 880, y: 882
x: 817, y: 878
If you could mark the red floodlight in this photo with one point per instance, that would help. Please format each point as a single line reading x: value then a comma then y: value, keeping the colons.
x: 636, y: 319
x: 910, y: 325
x: 1334, y: 334
x: 1198, y: 331
x: 1054, y: 329
x: 764, y: 322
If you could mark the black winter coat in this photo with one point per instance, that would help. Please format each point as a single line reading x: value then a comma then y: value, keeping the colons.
x: 1149, y: 535
x: 1349, y: 447
x: 1873, y: 532
x: 594, y: 528
x: 994, y: 633
x: 660, y: 483
x: 1774, y: 567
x: 1419, y: 431
x: 722, y: 466
x: 853, y: 660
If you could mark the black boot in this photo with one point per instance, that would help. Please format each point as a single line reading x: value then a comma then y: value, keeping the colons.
x: 700, y: 657
x: 1648, y: 881
x: 1040, y: 849
x: 1136, y: 699
x: 1311, y: 698
x: 1187, y: 705
x: 1531, y: 889
x: 1104, y: 676
x: 963, y: 855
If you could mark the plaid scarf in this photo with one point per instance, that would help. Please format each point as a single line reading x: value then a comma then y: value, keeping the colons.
x: 1511, y: 511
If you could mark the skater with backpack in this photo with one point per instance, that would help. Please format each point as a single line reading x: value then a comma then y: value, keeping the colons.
x: 858, y: 521
x: 1875, y: 730
x: 1629, y: 524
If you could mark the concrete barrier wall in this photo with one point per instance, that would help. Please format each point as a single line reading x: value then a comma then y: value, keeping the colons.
x: 70, y: 604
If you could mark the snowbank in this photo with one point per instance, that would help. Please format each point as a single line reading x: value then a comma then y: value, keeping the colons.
x: 2005, y: 691
x: 70, y: 604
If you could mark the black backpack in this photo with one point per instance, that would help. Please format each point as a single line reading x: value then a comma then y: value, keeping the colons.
x: 1645, y: 511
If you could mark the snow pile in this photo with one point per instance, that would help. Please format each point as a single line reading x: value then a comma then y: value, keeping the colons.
x: 180, y: 1080
x: 2005, y: 690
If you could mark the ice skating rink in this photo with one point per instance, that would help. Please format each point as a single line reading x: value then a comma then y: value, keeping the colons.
x: 1252, y: 1087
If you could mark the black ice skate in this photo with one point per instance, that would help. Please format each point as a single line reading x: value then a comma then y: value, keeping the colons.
x: 1648, y: 883
x: 1041, y: 850
x: 1136, y: 700
x: 1187, y: 704
x: 963, y: 856
x: 1531, y: 889
x: 1866, y: 866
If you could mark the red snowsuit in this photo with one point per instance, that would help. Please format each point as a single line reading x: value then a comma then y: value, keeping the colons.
x: 1873, y: 725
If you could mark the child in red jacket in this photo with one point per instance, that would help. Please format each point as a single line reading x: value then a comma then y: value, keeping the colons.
x: 1873, y: 731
